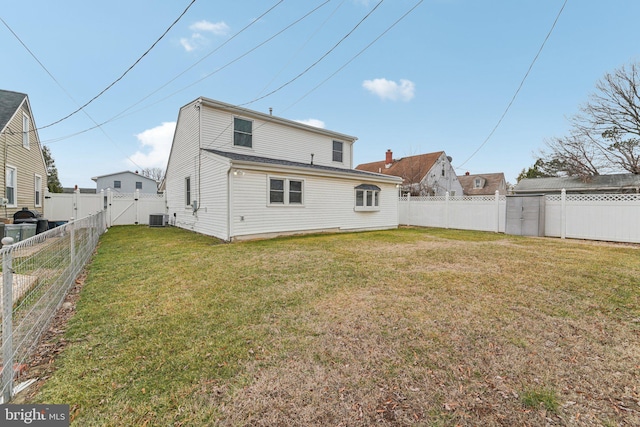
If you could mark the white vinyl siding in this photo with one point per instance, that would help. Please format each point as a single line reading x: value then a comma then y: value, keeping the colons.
x: 272, y: 140
x: 328, y: 206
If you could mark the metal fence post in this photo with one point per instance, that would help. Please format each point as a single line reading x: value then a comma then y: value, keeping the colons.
x: 7, y: 322
x: 72, y: 249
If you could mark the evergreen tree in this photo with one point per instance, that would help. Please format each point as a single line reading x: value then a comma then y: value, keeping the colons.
x: 53, y: 182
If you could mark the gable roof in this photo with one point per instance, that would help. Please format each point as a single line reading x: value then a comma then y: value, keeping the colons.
x: 241, y: 111
x: 411, y: 169
x: 600, y: 183
x: 492, y: 182
x: 320, y: 169
x: 95, y: 178
x: 9, y: 104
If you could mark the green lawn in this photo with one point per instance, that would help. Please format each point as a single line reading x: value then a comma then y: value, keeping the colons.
x: 403, y: 327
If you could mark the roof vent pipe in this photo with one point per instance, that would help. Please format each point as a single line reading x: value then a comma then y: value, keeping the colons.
x: 311, y: 158
x: 270, y: 111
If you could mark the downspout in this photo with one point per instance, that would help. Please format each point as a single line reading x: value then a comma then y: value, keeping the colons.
x: 198, y: 200
x: 229, y: 196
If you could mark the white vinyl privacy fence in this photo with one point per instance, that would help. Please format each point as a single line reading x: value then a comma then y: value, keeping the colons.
x: 606, y: 217
x: 120, y: 208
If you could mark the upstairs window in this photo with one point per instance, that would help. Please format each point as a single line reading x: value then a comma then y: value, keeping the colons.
x: 284, y: 191
x: 138, y: 185
x: 25, y: 131
x: 117, y: 184
x: 477, y: 183
x: 367, y: 197
x: 337, y: 151
x: 242, y: 132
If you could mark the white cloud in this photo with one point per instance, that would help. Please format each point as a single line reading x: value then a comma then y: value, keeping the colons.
x: 218, y: 28
x: 388, y: 89
x: 156, y: 145
x: 197, y: 40
x: 312, y: 122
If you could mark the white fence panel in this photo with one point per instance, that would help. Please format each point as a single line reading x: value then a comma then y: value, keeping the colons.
x: 611, y: 217
x: 607, y: 217
x: 121, y: 208
x: 486, y: 213
x: 62, y: 207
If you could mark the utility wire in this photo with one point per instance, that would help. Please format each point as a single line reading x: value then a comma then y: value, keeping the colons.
x: 356, y: 55
x: 519, y: 87
x: 120, y: 115
x: 123, y: 74
x: 318, y: 61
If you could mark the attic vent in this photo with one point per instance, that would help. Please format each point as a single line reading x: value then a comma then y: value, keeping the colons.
x: 158, y: 220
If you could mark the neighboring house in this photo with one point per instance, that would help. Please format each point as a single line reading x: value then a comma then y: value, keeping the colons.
x: 126, y: 182
x: 236, y: 174
x: 485, y: 184
x: 25, y: 171
x: 618, y: 183
x: 428, y: 174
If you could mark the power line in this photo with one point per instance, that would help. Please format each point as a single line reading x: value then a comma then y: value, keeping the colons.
x: 319, y: 60
x: 356, y: 55
x: 519, y: 87
x: 120, y: 115
x: 126, y: 71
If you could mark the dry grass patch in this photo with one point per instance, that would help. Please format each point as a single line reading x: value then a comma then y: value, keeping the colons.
x: 403, y: 327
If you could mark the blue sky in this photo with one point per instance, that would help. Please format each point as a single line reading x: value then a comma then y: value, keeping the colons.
x: 440, y: 79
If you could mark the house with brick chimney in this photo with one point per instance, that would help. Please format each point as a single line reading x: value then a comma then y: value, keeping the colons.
x: 429, y: 174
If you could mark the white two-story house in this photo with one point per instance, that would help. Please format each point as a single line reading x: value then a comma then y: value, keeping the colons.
x: 236, y: 174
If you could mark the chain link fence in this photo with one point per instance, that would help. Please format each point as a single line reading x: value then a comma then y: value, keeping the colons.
x: 37, y: 274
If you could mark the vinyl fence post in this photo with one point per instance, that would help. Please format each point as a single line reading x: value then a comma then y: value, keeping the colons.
x: 7, y: 322
x: 563, y: 215
x: 497, y: 211
x: 446, y: 208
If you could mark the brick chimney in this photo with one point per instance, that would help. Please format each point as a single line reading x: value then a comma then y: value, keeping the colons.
x: 389, y: 159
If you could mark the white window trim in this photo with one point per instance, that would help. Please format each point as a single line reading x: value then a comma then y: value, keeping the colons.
x: 287, y: 190
x: 15, y: 187
x: 365, y: 207
x: 233, y: 136
x: 187, y: 193
x: 25, y: 131
x: 341, y: 151
x: 37, y: 188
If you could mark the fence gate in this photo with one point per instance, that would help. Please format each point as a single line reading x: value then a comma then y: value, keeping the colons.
x: 525, y: 215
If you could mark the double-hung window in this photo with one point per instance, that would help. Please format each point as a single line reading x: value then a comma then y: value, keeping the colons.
x: 117, y: 184
x: 242, y: 132
x: 25, y: 131
x: 187, y: 191
x: 38, y: 191
x: 337, y: 151
x: 367, y: 197
x: 12, y: 190
x: 285, y: 191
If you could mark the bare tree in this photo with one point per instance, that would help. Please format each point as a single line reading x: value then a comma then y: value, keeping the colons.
x: 153, y: 173
x: 605, y: 135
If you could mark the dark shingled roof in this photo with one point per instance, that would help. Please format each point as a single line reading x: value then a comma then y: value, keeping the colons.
x: 616, y: 183
x: 280, y: 162
x: 9, y: 103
